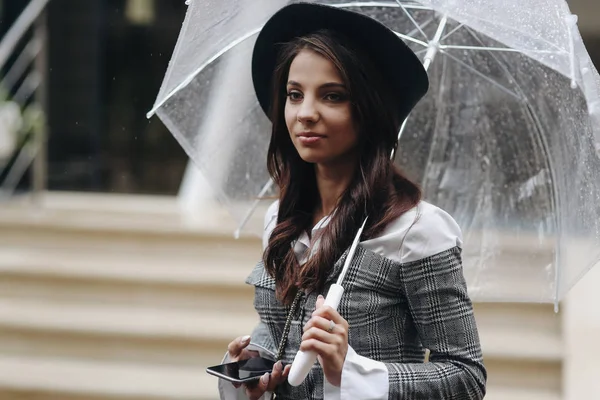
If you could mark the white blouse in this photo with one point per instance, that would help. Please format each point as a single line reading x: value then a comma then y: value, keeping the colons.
x: 421, y: 232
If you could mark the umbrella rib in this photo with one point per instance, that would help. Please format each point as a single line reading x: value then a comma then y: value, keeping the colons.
x: 251, y: 210
x: 418, y: 52
x: 425, y: 24
x: 447, y: 35
x: 191, y: 77
x: 482, y: 75
x: 394, y: 4
x: 506, y: 49
x: 410, y: 17
x: 415, y: 6
x: 411, y: 39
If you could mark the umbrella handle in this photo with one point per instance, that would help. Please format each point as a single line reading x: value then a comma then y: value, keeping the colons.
x: 304, y: 360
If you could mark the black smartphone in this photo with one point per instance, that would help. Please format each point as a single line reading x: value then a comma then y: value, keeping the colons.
x: 244, y: 371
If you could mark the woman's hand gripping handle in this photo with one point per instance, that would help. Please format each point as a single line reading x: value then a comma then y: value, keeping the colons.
x: 304, y: 361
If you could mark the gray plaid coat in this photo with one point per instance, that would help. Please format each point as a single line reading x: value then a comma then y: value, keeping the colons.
x: 395, y: 311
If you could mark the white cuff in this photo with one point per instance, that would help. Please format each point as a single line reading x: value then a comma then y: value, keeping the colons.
x: 362, y: 378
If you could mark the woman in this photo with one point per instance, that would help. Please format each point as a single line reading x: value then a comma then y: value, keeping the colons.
x: 337, y: 86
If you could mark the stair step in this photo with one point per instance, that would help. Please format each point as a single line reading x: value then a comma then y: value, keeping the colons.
x: 120, y: 320
x: 62, y: 275
x: 204, y: 325
x: 507, y: 343
x: 129, y: 228
x: 101, y: 331
x: 523, y: 379
x: 118, y: 212
x: 519, y: 331
x: 169, y: 269
x: 504, y: 393
x: 66, y: 379
x: 174, y: 247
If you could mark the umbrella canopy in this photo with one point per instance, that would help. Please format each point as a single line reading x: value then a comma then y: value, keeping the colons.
x: 506, y: 140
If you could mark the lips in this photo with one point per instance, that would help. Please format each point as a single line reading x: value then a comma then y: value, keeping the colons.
x: 309, y: 138
x: 309, y: 135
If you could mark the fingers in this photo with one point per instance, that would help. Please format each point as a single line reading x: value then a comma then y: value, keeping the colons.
x: 275, y: 375
x: 255, y: 392
x: 278, y: 375
x: 320, y: 347
x: 268, y: 382
x: 329, y: 313
x: 235, y: 348
x: 326, y: 332
x: 320, y: 302
x: 320, y: 323
x: 335, y: 337
x: 286, y: 370
x: 249, y: 354
x: 237, y: 351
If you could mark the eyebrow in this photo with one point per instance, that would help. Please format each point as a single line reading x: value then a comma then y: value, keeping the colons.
x: 325, y: 85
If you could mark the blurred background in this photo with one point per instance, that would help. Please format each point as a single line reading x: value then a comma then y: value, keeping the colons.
x: 111, y: 286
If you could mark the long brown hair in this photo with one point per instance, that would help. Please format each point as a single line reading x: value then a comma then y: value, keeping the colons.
x: 377, y: 189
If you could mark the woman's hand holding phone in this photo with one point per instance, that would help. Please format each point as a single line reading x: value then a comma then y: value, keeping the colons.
x: 268, y: 382
x: 237, y: 351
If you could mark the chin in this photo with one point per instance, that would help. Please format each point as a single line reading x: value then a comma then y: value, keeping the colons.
x: 311, y: 156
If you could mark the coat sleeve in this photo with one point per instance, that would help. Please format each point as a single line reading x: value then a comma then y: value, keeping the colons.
x: 442, y: 312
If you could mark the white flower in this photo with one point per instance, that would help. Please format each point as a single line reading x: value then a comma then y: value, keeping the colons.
x: 10, y: 124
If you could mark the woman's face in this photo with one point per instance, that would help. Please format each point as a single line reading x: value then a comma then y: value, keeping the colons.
x: 318, y: 112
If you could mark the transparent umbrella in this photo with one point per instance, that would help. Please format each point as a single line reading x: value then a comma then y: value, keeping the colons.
x: 507, y: 139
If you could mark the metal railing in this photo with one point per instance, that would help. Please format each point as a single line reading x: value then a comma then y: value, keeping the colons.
x: 26, y: 78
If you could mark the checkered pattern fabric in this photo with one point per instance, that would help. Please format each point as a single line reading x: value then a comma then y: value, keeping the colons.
x: 395, y: 311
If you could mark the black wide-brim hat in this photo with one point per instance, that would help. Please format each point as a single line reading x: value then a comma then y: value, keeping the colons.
x: 399, y: 66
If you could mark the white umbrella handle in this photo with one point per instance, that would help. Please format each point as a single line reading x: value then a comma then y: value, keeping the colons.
x: 304, y: 361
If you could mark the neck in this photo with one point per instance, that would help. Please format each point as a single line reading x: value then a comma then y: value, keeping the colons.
x: 332, y: 181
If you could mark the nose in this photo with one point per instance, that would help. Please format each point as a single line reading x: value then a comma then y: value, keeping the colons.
x: 308, y: 112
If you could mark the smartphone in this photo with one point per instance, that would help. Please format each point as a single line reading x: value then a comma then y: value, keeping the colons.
x: 244, y: 371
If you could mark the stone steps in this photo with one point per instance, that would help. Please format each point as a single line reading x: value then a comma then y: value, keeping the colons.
x: 117, y: 332
x: 59, y: 378
x: 84, y: 276
x: 507, y: 330
x: 512, y: 331
x: 120, y: 297
x: 51, y: 378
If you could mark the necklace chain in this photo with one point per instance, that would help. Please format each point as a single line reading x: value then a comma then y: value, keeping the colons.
x: 288, y: 324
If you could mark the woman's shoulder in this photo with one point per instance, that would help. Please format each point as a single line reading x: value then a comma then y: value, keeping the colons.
x: 421, y: 232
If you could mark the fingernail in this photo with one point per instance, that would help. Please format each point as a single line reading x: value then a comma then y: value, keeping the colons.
x: 245, y: 339
x: 320, y: 297
x: 278, y: 366
x: 265, y: 378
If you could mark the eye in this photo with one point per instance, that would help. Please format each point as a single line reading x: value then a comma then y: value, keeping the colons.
x: 294, y: 95
x: 334, y: 97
